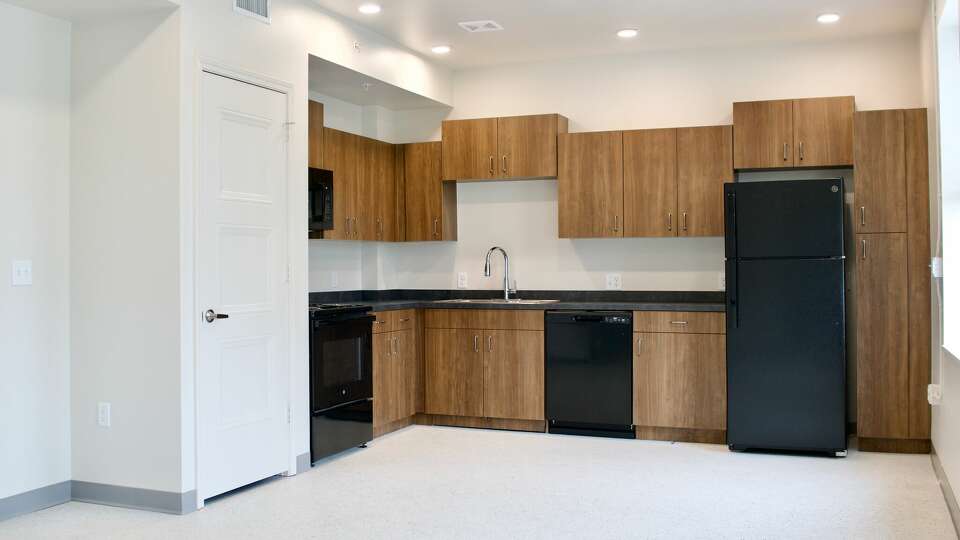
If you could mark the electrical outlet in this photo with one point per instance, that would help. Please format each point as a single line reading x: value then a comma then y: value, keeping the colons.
x: 22, y: 274
x: 614, y: 282
x: 462, y: 280
x: 936, y: 267
x: 934, y: 394
x: 103, y: 414
x: 334, y: 280
x: 722, y: 281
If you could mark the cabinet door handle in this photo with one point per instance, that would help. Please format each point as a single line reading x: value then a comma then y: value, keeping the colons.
x: 786, y: 149
x: 670, y: 221
x: 616, y: 223
x: 380, y: 228
x: 863, y: 247
x: 396, y: 345
x: 639, y: 344
x: 801, y: 150
x: 504, y: 164
x: 492, y: 168
x: 683, y: 222
x: 490, y: 343
x: 405, y: 320
x: 476, y: 343
x: 863, y: 216
x: 679, y: 323
x: 436, y: 226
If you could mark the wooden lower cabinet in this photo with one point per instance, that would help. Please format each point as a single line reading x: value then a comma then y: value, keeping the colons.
x: 395, y: 369
x: 480, y: 373
x: 680, y: 381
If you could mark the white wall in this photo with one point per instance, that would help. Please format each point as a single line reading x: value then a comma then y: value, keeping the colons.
x: 34, y: 215
x: 660, y: 89
x: 125, y: 253
x: 212, y: 31
x: 945, y: 179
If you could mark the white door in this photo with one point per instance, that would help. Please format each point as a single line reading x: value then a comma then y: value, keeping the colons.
x: 243, y: 382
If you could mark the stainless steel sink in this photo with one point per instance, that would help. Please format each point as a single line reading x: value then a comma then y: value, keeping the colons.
x: 495, y: 301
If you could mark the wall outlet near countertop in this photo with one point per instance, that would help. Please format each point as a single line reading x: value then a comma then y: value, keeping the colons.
x: 103, y: 414
x: 22, y: 273
x: 614, y: 282
x: 936, y: 267
x: 462, y: 280
x: 934, y: 394
x: 334, y: 280
x: 722, y: 281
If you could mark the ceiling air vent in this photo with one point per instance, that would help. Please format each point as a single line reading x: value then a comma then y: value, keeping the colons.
x: 480, y: 26
x: 258, y: 9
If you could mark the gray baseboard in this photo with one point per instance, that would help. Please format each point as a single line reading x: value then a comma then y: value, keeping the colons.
x: 33, y: 500
x: 948, y: 492
x: 128, y: 497
x: 303, y: 463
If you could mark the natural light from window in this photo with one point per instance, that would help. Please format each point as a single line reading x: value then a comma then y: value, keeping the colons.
x: 948, y: 39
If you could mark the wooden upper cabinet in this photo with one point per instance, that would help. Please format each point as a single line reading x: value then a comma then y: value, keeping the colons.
x: 341, y: 156
x: 680, y: 381
x: 704, y: 164
x: 453, y: 372
x: 650, y: 182
x: 430, y: 203
x: 380, y: 192
x: 315, y: 134
x: 469, y: 149
x: 527, y: 145
x: 513, y: 374
x: 823, y: 131
x: 883, y: 391
x: 590, y: 184
x: 763, y: 134
x: 880, y: 192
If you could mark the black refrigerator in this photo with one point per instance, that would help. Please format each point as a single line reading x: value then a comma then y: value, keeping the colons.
x: 786, y: 358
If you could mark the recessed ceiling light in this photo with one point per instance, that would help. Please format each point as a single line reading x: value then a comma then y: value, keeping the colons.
x: 627, y: 33
x: 440, y: 49
x: 369, y: 9
x: 828, y: 18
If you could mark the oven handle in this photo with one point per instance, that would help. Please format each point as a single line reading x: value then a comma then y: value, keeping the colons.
x: 338, y: 405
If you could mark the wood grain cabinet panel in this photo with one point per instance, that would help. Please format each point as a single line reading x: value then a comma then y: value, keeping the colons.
x: 513, y: 374
x: 704, y: 164
x: 763, y: 134
x: 527, y: 145
x: 427, y: 195
x: 590, y: 185
x: 469, y: 149
x: 453, y: 372
x: 315, y: 134
x: 387, y: 392
x: 341, y: 152
x: 882, y: 336
x: 407, y: 372
x: 681, y: 322
x: 680, y: 381
x: 650, y: 182
x: 485, y: 319
x: 823, y: 131
x: 880, y: 193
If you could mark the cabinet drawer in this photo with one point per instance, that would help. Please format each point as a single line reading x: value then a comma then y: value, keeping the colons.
x: 679, y: 322
x: 391, y: 321
x: 484, y: 319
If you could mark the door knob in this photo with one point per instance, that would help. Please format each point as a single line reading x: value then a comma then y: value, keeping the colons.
x: 211, y: 315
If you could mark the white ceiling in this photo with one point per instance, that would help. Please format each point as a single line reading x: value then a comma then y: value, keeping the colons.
x: 549, y: 29
x: 348, y: 85
x: 78, y: 10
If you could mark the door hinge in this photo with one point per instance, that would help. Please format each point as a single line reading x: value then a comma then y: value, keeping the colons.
x: 288, y: 274
x: 289, y: 414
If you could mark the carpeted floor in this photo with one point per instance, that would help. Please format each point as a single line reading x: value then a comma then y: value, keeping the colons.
x: 435, y: 482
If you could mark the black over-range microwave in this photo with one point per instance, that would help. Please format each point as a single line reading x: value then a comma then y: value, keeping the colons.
x: 321, y: 199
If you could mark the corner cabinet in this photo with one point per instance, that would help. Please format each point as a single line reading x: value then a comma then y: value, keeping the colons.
x: 501, y: 148
x: 814, y: 132
x: 892, y: 280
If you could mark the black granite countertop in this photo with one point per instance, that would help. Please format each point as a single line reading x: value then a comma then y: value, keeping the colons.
x: 568, y: 300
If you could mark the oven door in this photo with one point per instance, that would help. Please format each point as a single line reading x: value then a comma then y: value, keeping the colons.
x: 341, y: 359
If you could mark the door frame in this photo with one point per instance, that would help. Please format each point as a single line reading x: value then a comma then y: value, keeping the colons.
x: 215, y: 67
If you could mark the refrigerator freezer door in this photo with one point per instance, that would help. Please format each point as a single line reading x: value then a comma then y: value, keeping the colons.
x: 796, y: 218
x: 786, y: 367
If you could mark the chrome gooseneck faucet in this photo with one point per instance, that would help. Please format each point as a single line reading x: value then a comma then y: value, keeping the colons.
x: 506, y: 270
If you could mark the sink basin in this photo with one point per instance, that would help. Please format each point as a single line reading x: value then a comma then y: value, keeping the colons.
x: 495, y: 301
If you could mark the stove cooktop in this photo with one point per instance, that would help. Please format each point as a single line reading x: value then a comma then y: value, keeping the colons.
x: 336, y: 311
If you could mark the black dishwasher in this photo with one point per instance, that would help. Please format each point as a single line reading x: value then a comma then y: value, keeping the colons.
x: 589, y: 373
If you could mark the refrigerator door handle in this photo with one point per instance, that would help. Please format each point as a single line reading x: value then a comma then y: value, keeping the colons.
x: 733, y: 312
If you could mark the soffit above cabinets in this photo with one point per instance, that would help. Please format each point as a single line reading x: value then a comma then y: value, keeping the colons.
x: 83, y: 10
x: 343, y: 83
x: 537, y: 30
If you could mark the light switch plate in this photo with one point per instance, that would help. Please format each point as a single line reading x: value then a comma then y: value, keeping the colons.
x: 22, y: 273
x: 614, y: 282
x: 936, y: 267
x: 934, y: 394
x: 462, y: 280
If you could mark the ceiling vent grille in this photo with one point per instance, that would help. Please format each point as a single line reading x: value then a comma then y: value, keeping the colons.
x: 258, y: 9
x: 480, y: 26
